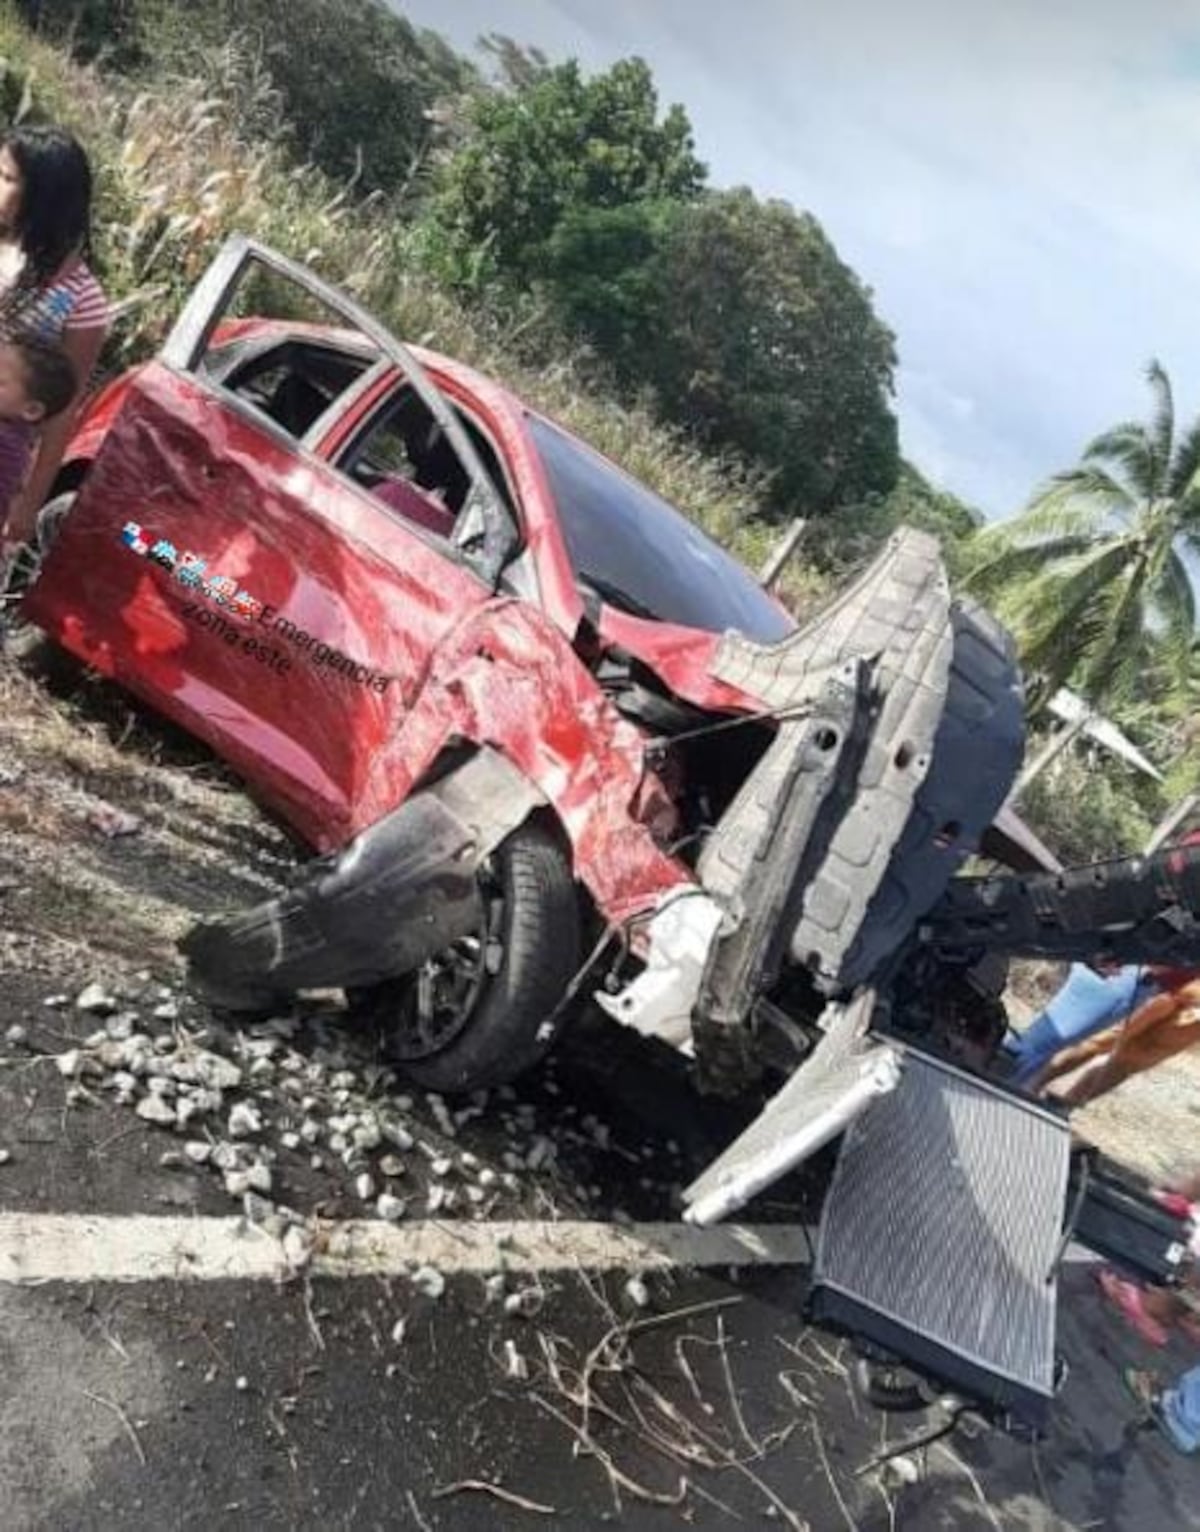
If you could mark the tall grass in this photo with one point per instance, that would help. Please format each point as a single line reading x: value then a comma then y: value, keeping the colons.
x: 183, y: 162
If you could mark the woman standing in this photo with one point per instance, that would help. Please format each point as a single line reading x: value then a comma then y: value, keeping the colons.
x: 46, y: 289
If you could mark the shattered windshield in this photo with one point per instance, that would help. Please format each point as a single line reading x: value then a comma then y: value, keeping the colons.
x: 642, y: 555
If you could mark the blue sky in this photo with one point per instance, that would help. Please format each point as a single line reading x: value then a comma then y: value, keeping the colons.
x: 1019, y: 183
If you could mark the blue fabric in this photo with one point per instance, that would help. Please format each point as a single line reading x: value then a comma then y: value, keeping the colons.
x: 1181, y: 1411
x: 1087, y: 1003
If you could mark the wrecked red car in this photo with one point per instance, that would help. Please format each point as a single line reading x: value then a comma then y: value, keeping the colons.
x: 517, y: 698
x: 550, y: 739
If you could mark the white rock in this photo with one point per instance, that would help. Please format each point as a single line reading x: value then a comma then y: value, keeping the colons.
x: 166, y: 1010
x: 260, y: 1047
x: 398, y: 1330
x: 487, y: 1177
x: 391, y: 1165
x: 366, y: 1135
x: 197, y: 1151
x: 55, y: 1002
x: 364, y: 1187
x: 475, y: 1194
x: 494, y: 1287
x: 96, y: 1000
x: 436, y: 1200
x: 442, y: 1166
x: 297, y: 1247
x: 390, y: 1208
x: 155, y: 1109
x: 310, y: 1130
x: 399, y: 1137
x: 429, y: 1281
x: 257, y: 1209
x: 526, y: 1303
x: 290, y: 1140
x: 254, y: 1178
x: 226, y: 1156
x: 339, y: 1143
x: 261, y: 1068
x: 121, y: 1026
x: 207, y: 1069
x: 15, y: 1035
x: 5, y: 1156
x: 637, y: 1293
x: 244, y: 1120
x: 515, y: 1365
x: 69, y: 1064
x: 241, y: 1384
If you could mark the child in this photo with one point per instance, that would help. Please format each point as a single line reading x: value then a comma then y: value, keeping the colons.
x: 37, y: 384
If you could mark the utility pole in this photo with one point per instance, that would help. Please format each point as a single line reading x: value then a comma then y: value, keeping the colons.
x: 780, y: 555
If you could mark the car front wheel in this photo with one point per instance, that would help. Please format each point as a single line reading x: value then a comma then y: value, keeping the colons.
x: 489, y: 1006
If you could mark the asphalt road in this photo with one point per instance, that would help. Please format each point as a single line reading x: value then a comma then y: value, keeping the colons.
x: 363, y: 1402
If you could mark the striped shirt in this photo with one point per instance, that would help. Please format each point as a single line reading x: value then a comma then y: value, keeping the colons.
x: 72, y: 302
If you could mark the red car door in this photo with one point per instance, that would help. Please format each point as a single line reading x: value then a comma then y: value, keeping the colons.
x: 249, y: 590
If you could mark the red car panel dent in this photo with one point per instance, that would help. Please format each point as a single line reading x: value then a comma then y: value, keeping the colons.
x: 346, y: 603
x: 507, y: 677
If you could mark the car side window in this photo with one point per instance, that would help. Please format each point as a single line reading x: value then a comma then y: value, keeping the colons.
x: 402, y: 457
x: 293, y: 384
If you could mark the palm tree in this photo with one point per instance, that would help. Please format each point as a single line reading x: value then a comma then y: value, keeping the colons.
x: 1090, y: 575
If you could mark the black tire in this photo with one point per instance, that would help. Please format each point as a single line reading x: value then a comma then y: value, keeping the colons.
x: 514, y: 1015
x: 894, y: 1390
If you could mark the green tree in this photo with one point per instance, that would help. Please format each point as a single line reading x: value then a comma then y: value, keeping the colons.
x: 556, y: 142
x: 764, y: 340
x: 1091, y: 576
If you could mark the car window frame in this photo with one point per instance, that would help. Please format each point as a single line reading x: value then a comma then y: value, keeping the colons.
x: 486, y: 549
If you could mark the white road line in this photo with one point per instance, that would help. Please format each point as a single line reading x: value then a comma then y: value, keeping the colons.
x: 78, y: 1247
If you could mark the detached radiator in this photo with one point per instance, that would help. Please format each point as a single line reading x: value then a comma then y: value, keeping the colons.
x: 940, y: 1232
